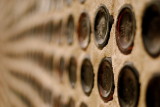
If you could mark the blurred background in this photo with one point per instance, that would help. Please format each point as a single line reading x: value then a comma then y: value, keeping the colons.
x: 80, y: 53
